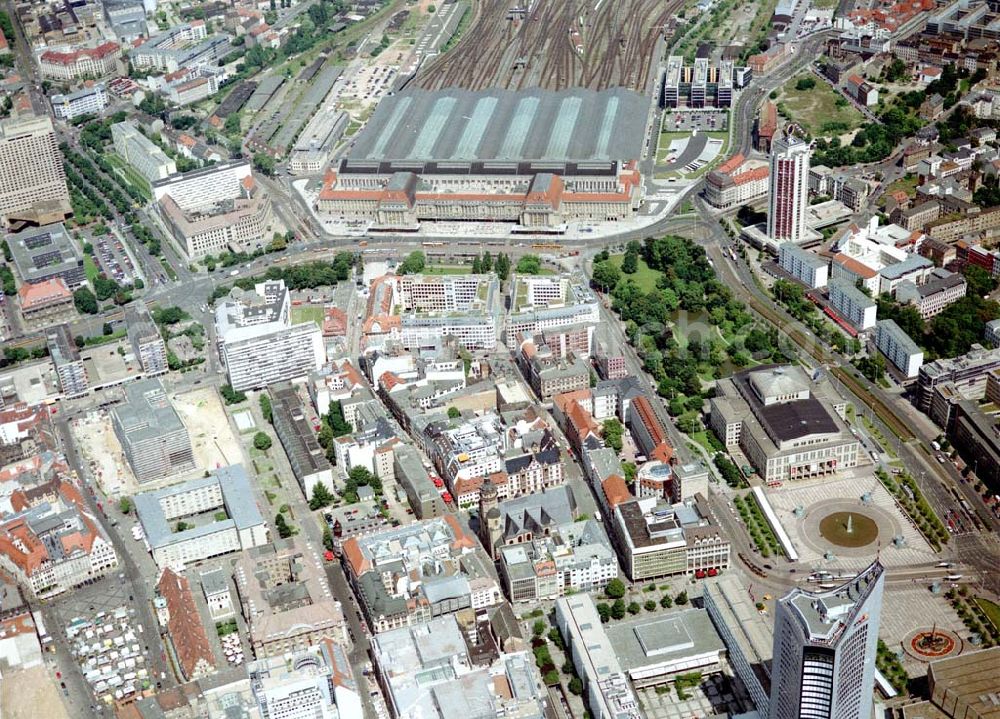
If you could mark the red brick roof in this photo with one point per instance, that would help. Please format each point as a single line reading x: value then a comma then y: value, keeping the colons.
x: 186, y: 630
x: 68, y: 58
x: 52, y: 290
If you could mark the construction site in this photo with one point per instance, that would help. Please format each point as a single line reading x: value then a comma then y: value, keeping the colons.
x: 555, y: 45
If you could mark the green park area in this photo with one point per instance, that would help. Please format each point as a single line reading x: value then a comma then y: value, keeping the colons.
x: 817, y: 107
x: 644, y: 277
x: 307, y: 313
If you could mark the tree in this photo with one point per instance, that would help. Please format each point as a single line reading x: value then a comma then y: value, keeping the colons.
x: 650, y: 605
x: 327, y: 539
x: 634, y: 608
x: 182, y: 526
x: 261, y: 441
x: 125, y: 505
x: 454, y: 413
x: 529, y: 265
x: 979, y: 280
x: 805, y: 83
x: 231, y: 396
x: 538, y: 628
x: 681, y: 599
x: 502, y: 266
x: 335, y: 417
x: 615, y: 589
x: 321, y: 496
x: 284, y: 530
x: 612, y: 432
x: 413, y: 264
x: 85, y: 301
x: 604, y: 612
x: 575, y: 686
x: 618, y: 609
x: 265, y: 408
x: 263, y: 163
x: 666, y: 602
x: 606, y: 276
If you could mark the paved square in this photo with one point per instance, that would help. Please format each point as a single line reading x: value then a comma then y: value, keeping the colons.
x: 909, y: 607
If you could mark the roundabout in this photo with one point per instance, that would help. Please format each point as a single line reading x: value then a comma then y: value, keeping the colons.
x: 845, y: 528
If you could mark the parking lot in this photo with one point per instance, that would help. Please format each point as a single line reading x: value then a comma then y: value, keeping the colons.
x: 113, y: 259
x: 685, y: 120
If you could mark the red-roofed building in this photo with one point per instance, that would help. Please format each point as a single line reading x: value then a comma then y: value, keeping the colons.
x: 734, y: 183
x: 4, y: 47
x: 334, y: 322
x: 47, y: 302
x: 615, y: 491
x: 95, y: 62
x: 649, y: 434
x: 187, y: 633
x: 766, y: 126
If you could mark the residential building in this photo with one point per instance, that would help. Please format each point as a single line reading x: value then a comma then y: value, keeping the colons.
x: 298, y: 438
x: 45, y: 303
x: 789, y: 191
x: 214, y: 209
x: 153, y: 438
x: 258, y: 343
x: 53, y: 544
x: 286, y: 600
x: 544, y: 560
x: 807, y: 267
x: 932, y: 297
x: 430, y: 671
x: 864, y: 93
x: 824, y: 649
x: 608, y: 693
x: 225, y: 491
x: 650, y: 436
x: 443, y: 570
x: 86, y: 101
x: 540, y: 302
x: 765, y: 127
x: 182, y: 46
x: 899, y: 349
x: 424, y: 498
x: 967, y: 371
x: 66, y: 359
x: 657, y: 539
x: 68, y: 65
x: 184, y: 627
x: 145, y: 339
x: 32, y: 181
x: 852, y: 304
x: 141, y: 153
x: 735, y: 183
x: 549, y: 375
x: 787, y: 425
x: 45, y: 253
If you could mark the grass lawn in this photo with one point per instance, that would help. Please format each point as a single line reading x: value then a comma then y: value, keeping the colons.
x: 448, y: 270
x: 305, y: 313
x: 817, y: 106
x: 644, y: 277
x: 992, y: 610
x: 90, y: 268
x: 907, y: 184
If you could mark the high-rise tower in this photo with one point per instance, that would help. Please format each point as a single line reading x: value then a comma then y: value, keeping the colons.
x: 32, y: 181
x: 824, y: 650
x: 789, y: 198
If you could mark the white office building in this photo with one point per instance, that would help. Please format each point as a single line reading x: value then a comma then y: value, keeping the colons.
x: 141, y: 153
x: 807, y: 267
x: 258, y: 343
x: 540, y: 303
x: 88, y: 101
x: 898, y: 348
x: 789, y: 195
x: 824, y: 650
x: 852, y: 304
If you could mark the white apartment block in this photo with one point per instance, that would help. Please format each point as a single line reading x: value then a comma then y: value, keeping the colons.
x: 31, y: 166
x: 805, y: 266
x: 541, y: 303
x: 898, y: 348
x: 192, y: 190
x: 852, y: 304
x: 445, y: 293
x: 144, y: 155
x: 258, y: 343
x: 88, y: 101
x: 472, y: 331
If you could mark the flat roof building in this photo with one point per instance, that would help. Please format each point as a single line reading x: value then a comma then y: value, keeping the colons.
x: 32, y: 180
x: 44, y: 253
x: 258, y: 343
x: 609, y: 695
x: 899, y: 349
x: 306, y: 457
x: 200, y: 535
x: 141, y: 153
x: 146, y: 341
x: 66, y: 359
x: 155, y: 441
